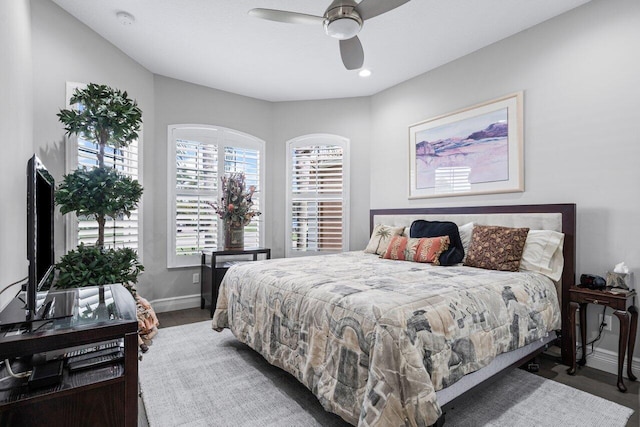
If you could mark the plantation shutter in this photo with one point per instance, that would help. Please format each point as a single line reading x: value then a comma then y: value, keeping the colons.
x: 317, y: 198
x: 196, y: 186
x: 202, y: 155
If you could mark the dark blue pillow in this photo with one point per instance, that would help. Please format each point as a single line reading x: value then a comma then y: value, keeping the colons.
x: 455, y: 253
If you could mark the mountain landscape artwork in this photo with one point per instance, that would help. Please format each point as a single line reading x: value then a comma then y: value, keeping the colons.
x: 471, y: 151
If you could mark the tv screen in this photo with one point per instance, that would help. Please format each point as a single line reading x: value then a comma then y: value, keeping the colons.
x: 40, y: 243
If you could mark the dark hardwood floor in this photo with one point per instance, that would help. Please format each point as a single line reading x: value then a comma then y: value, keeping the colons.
x: 182, y: 317
x: 587, y: 379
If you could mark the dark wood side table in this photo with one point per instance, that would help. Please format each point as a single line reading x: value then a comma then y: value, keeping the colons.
x: 625, y: 310
x: 215, y: 264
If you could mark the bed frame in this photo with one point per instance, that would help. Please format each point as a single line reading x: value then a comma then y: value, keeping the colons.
x: 447, y: 398
x: 568, y: 212
x: 567, y: 226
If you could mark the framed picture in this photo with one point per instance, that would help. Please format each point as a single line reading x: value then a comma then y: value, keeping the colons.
x: 477, y: 150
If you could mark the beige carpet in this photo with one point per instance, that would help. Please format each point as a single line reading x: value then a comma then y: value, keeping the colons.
x: 193, y: 376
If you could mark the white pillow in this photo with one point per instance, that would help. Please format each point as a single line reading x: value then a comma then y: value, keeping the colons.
x: 543, y: 253
x: 380, y: 238
x: 466, y: 231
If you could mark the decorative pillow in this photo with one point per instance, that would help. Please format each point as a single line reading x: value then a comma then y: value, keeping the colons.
x: 543, y: 253
x: 418, y: 250
x: 496, y: 248
x: 455, y: 253
x: 465, y: 237
x: 380, y: 238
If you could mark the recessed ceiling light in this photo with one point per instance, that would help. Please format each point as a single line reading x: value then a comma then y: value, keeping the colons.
x: 125, y: 18
x: 364, y: 72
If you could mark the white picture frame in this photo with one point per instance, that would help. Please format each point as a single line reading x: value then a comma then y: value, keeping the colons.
x: 475, y: 150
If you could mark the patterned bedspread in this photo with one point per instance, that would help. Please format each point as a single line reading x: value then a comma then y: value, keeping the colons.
x: 374, y: 339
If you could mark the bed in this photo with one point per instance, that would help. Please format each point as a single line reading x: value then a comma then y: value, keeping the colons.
x: 387, y: 342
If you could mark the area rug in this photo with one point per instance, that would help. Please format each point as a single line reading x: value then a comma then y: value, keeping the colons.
x: 194, y: 376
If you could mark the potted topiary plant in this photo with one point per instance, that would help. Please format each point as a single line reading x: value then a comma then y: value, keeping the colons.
x: 107, y: 117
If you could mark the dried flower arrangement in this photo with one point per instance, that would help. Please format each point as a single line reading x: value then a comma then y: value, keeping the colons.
x: 235, y: 206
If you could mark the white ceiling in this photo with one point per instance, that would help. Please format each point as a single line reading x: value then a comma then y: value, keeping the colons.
x: 215, y: 43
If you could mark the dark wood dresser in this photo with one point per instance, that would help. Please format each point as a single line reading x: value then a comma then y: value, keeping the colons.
x: 104, y: 394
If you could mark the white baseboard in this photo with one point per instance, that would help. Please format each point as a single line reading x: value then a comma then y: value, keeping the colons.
x: 175, y: 303
x: 606, y: 360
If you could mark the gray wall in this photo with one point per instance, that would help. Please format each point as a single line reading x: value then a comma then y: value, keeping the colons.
x: 580, y: 74
x: 16, y: 124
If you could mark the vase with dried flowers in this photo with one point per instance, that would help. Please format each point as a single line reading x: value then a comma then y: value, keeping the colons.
x: 235, y: 209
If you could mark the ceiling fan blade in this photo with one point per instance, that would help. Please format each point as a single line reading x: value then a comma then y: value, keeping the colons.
x: 371, y: 8
x: 286, y: 17
x: 352, y: 53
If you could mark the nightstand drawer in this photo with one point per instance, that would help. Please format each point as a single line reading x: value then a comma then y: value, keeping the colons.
x: 589, y: 296
x: 599, y: 299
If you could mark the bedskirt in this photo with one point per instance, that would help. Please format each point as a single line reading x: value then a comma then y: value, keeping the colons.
x: 374, y: 339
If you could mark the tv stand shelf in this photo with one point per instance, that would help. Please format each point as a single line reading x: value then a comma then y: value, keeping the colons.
x: 100, y: 396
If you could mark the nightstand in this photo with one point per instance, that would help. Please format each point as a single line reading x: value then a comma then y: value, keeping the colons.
x: 215, y: 264
x: 626, y: 312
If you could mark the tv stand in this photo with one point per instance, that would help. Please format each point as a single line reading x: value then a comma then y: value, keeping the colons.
x: 105, y: 395
x: 51, y: 305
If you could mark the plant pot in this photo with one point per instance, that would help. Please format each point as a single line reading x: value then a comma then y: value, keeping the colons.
x: 233, y: 236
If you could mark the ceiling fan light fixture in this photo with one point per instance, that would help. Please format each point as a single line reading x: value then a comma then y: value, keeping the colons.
x: 342, y: 21
x: 342, y: 28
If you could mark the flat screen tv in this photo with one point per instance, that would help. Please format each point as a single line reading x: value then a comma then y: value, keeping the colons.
x: 40, y: 242
x: 36, y: 302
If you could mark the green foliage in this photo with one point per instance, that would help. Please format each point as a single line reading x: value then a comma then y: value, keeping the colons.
x: 92, y: 266
x: 98, y: 192
x: 107, y: 116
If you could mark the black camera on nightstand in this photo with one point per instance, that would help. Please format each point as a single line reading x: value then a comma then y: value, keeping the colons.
x: 591, y: 281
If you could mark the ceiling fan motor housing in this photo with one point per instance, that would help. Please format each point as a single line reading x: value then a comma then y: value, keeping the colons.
x: 342, y: 21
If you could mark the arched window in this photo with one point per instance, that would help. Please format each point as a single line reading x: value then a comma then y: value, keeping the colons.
x: 317, y: 195
x: 199, y: 155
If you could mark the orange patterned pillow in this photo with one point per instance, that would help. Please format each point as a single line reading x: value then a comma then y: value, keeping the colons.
x: 427, y: 249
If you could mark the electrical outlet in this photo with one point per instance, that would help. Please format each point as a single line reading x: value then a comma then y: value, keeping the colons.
x: 196, y: 277
x: 608, y: 320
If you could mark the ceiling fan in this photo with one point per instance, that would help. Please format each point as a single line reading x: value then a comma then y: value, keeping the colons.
x: 342, y: 20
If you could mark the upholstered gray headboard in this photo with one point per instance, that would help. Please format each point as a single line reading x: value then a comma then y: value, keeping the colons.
x: 534, y: 221
x: 557, y: 217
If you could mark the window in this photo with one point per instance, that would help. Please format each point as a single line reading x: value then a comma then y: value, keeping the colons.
x: 118, y: 232
x: 199, y: 156
x: 318, y: 194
